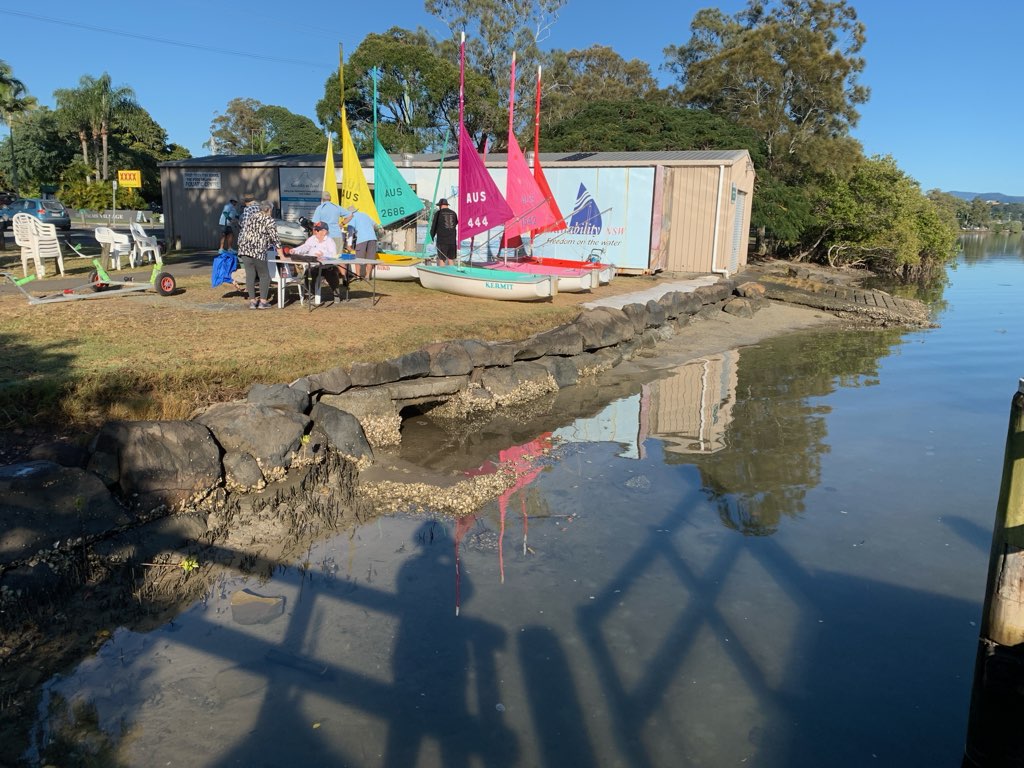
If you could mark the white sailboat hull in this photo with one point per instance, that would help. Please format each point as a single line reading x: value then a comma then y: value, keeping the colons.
x: 481, y: 283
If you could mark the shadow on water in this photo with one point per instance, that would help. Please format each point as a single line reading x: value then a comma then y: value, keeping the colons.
x: 688, y: 644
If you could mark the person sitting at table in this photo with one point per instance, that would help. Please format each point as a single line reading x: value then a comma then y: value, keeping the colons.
x: 322, y: 248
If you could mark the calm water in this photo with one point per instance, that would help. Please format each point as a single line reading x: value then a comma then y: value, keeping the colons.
x: 773, y: 556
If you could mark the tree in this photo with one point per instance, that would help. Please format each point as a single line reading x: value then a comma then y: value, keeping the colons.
x: 418, y: 92
x: 880, y: 219
x: 788, y: 69
x: 290, y: 134
x: 91, y: 108
x: 494, y: 29
x: 14, y: 101
x: 633, y: 126
x: 573, y: 79
x: 239, y: 131
x: 42, y: 152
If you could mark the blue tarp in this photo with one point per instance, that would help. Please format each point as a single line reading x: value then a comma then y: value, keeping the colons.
x: 224, y: 263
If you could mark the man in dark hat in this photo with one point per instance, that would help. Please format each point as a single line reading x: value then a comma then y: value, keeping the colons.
x: 444, y: 230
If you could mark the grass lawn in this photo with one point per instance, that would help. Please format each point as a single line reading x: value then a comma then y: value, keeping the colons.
x: 143, y: 356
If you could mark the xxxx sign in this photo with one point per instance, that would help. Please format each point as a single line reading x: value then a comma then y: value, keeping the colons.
x: 129, y: 178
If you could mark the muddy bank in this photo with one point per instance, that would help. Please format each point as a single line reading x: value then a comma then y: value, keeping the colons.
x: 258, y: 531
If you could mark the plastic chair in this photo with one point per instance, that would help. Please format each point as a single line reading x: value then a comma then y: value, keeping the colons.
x: 118, y: 242
x: 25, y: 236
x: 47, y: 245
x: 286, y: 281
x: 143, y: 244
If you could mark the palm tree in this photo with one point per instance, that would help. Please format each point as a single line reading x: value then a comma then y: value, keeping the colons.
x: 90, y: 109
x: 14, y: 100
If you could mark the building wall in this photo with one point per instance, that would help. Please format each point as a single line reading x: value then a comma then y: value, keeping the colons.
x: 690, y: 198
x: 191, y: 215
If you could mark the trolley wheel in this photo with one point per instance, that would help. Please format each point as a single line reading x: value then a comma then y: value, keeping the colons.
x: 165, y: 284
x: 94, y: 280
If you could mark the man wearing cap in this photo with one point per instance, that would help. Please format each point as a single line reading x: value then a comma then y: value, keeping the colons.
x: 444, y: 230
x: 329, y: 213
x: 321, y: 248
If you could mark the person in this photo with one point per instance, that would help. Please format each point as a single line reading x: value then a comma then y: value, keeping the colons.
x: 258, y: 236
x: 227, y: 225
x: 365, y: 237
x: 322, y: 248
x: 249, y: 207
x: 444, y: 230
x: 331, y: 213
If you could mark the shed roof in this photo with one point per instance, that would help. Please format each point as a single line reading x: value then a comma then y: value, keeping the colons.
x: 431, y: 159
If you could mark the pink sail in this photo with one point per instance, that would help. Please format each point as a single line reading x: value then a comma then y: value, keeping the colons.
x: 481, y: 206
x: 528, y: 202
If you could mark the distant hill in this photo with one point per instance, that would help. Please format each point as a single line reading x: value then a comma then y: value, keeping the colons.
x: 997, y: 196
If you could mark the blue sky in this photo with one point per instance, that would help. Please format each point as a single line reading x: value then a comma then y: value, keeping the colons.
x: 942, y: 73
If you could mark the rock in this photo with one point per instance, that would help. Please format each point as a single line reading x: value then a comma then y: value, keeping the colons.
x: 413, y: 364
x: 562, y: 369
x: 521, y: 382
x: 371, y: 374
x: 279, y: 396
x: 374, y: 409
x: 750, y: 290
x: 428, y: 389
x: 334, y: 381
x: 739, y: 307
x: 656, y: 314
x: 344, y: 433
x: 249, y: 608
x: 565, y: 340
x: 637, y: 314
x: 269, y: 435
x: 604, y: 327
x: 490, y: 355
x: 449, y: 358
x: 42, y: 503
x: 165, y: 461
x: 242, y: 472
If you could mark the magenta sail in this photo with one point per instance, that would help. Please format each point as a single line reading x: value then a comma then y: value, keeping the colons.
x: 481, y: 206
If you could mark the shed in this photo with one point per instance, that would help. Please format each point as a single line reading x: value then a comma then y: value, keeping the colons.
x: 685, y: 211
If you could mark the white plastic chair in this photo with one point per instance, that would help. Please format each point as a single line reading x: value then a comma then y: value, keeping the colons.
x: 296, y: 281
x: 120, y: 244
x: 25, y: 236
x: 47, y: 245
x: 143, y: 244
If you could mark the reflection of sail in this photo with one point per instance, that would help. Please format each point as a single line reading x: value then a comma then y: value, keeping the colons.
x: 691, y: 410
x: 586, y: 216
x: 522, y: 461
x: 619, y: 422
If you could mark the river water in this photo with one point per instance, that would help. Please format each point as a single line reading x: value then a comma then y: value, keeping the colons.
x: 771, y: 556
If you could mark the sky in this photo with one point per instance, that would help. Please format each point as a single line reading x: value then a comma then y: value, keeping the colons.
x: 942, y: 73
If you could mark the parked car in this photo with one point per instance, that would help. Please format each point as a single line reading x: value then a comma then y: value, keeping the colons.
x: 6, y: 198
x: 47, y: 211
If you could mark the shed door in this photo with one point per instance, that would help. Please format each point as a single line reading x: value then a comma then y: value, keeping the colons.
x: 737, y: 232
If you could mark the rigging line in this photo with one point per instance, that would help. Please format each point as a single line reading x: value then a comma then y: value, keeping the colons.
x: 165, y: 41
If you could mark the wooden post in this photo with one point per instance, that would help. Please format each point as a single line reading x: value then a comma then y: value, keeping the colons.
x: 997, y: 697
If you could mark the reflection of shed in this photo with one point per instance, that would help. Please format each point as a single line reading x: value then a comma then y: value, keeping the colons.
x: 644, y: 211
x: 618, y: 422
x: 691, y: 410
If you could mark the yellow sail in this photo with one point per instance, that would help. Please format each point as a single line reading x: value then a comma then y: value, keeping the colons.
x: 330, y: 185
x: 355, y: 192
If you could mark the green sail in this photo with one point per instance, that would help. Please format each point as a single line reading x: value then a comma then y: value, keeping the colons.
x: 391, y: 192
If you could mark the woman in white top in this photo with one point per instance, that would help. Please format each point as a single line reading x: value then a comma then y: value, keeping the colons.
x: 322, y: 248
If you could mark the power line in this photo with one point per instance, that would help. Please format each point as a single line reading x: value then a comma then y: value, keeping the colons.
x: 164, y: 41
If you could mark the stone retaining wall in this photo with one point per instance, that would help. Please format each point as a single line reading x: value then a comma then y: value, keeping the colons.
x: 139, y: 473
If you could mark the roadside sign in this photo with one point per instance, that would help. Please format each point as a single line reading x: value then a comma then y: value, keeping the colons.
x: 129, y: 178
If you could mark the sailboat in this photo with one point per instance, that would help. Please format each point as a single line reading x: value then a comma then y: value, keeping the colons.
x: 355, y: 192
x: 481, y: 207
x: 584, y: 214
x: 534, y: 211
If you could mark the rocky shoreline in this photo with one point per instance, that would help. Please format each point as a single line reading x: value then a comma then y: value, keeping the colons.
x: 146, y: 518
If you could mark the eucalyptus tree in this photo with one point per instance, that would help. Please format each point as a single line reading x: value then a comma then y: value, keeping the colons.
x: 788, y: 69
x: 14, y: 101
x: 249, y: 127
